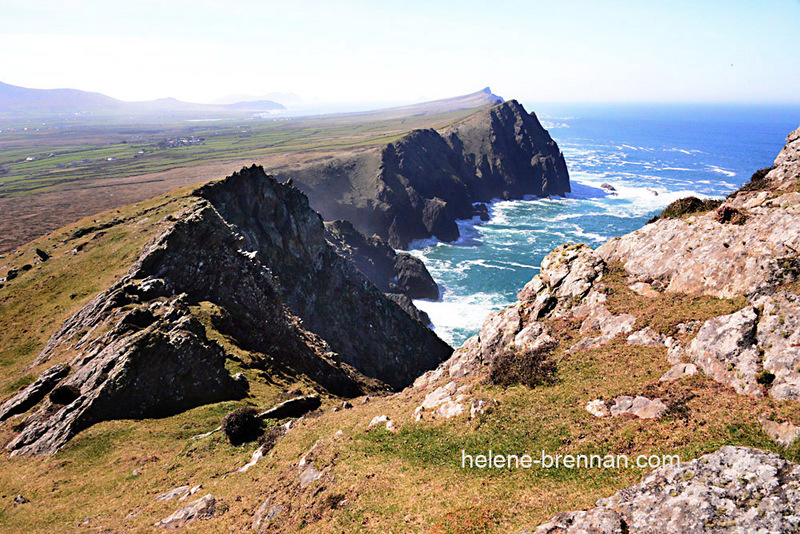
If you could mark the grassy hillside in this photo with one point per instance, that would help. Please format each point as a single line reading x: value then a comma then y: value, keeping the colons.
x: 373, y: 480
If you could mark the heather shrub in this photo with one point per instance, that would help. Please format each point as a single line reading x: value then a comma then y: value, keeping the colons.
x: 528, y: 367
x: 242, y: 425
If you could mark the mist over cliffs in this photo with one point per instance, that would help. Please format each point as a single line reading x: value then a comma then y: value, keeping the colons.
x: 418, y: 186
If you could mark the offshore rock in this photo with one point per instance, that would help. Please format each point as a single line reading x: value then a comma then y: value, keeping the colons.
x: 418, y: 186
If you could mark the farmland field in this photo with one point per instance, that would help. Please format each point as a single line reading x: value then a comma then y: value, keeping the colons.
x: 53, y: 172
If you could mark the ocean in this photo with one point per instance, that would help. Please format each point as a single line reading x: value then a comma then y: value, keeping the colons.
x: 650, y: 155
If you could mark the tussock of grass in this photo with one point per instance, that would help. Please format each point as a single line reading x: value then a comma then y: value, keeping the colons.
x: 686, y: 206
x: 757, y: 181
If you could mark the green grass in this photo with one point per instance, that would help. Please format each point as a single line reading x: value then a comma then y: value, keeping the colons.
x: 225, y: 141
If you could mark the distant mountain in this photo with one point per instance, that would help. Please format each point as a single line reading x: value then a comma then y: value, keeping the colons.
x: 22, y: 101
x: 287, y: 99
x: 484, y: 97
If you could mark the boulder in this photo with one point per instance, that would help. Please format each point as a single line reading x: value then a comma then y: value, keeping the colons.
x: 725, y: 350
x: 678, y: 371
x: 784, y: 433
x: 778, y: 338
x: 733, y: 490
x: 638, y: 406
x: 199, y: 510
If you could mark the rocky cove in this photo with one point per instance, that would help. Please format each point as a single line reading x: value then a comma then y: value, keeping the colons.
x: 708, y: 299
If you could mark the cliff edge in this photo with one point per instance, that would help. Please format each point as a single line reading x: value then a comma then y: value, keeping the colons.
x: 418, y: 186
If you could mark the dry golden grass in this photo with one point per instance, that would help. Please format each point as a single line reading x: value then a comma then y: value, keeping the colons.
x: 373, y: 480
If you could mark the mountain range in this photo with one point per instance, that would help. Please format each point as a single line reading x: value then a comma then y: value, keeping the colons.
x: 18, y: 101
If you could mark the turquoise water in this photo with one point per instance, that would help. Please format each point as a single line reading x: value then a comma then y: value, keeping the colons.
x: 651, y: 156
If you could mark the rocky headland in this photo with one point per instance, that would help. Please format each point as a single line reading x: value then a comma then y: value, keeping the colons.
x: 418, y: 186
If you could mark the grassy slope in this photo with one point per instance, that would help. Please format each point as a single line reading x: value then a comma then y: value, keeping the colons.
x: 375, y: 481
x: 225, y: 141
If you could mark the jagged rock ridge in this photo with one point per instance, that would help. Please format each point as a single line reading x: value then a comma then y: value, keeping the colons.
x: 419, y: 185
x: 136, y: 350
x: 275, y: 224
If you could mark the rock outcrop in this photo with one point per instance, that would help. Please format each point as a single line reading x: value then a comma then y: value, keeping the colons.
x: 34, y: 393
x: 416, y: 187
x: 253, y: 249
x: 275, y: 225
x: 733, y: 490
x: 700, y: 255
x: 391, y: 272
x: 199, y: 510
x: 563, y: 288
x: 155, y: 360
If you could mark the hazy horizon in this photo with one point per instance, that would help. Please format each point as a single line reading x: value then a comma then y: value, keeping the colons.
x: 361, y: 53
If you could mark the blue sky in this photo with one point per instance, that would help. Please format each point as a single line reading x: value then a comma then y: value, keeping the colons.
x: 404, y: 51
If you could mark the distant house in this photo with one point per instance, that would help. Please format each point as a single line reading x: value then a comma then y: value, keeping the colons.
x: 30, y: 158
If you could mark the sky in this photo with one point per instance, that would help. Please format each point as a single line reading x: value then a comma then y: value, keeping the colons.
x: 406, y: 51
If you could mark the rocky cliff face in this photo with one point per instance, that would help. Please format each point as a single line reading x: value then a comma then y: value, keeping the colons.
x: 391, y: 272
x: 275, y: 225
x: 254, y: 249
x: 418, y: 186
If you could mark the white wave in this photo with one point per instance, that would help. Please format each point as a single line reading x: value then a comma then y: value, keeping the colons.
x: 417, y: 244
x: 720, y: 170
x: 580, y: 232
x: 454, y: 315
x: 486, y: 264
x: 522, y: 265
